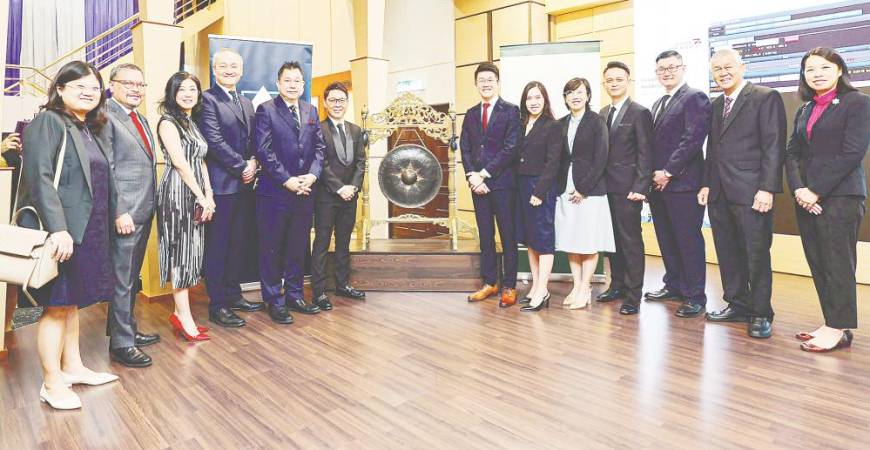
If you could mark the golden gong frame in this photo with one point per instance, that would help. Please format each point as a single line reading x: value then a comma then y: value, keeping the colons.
x: 409, y: 110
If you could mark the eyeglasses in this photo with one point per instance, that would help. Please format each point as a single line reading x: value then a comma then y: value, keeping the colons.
x: 669, y: 69
x: 131, y: 84
x: 336, y: 101
x: 83, y: 88
x: 487, y: 80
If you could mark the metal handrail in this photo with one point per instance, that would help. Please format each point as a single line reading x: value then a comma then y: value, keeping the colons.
x: 24, y: 81
x: 93, y: 41
x: 187, y: 8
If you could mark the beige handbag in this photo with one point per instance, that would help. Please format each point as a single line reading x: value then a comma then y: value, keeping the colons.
x: 26, y: 254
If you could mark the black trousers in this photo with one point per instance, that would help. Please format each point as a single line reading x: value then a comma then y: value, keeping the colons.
x: 830, y: 242
x: 225, y: 242
x: 627, y: 263
x: 742, y: 237
x: 329, y: 216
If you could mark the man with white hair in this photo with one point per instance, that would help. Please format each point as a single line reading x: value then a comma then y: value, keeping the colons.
x: 226, y: 122
x: 745, y: 152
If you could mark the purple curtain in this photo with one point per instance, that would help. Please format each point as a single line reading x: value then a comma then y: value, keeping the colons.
x: 13, y: 42
x: 100, y: 15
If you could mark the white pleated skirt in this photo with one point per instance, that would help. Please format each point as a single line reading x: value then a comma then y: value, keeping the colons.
x: 584, y: 228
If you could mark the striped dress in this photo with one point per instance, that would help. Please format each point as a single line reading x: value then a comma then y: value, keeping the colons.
x: 180, y: 242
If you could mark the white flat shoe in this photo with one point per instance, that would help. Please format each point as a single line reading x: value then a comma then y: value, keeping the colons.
x: 71, y: 401
x: 97, y: 379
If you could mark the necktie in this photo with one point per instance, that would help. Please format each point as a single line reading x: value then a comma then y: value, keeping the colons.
x: 661, y: 108
x: 344, y: 145
x: 295, y: 117
x: 135, y: 118
x: 610, y: 116
x: 727, y: 110
x: 485, y: 116
x: 238, y: 103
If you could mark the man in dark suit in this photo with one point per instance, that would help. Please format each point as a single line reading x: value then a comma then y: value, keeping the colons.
x: 488, y: 141
x: 133, y: 146
x: 628, y: 175
x: 335, y: 201
x: 289, y: 146
x: 743, y: 170
x: 226, y: 121
x: 681, y: 119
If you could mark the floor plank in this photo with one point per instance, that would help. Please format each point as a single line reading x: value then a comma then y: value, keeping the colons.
x: 428, y: 370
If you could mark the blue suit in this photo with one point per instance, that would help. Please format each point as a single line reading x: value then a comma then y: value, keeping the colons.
x: 678, y: 138
x: 284, y: 218
x: 227, y: 130
x: 494, y: 149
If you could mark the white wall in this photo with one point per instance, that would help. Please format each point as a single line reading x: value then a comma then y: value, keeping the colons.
x: 418, y: 41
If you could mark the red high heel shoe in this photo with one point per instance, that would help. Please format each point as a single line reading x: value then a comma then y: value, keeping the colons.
x: 803, y: 336
x: 201, y: 329
x: 179, y: 331
x: 844, y: 342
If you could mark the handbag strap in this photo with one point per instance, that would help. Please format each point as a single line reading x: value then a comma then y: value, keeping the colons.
x: 57, y: 170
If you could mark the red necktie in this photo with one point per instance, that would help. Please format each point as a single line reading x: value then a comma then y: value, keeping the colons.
x: 142, y: 135
x: 485, y: 115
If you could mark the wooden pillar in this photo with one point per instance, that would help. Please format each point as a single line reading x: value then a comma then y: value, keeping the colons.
x: 156, y: 49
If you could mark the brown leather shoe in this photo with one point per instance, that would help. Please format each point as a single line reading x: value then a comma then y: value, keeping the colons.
x: 484, y: 293
x: 508, y: 297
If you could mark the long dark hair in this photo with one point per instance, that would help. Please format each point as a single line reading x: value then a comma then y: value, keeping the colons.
x: 169, y: 105
x: 524, y: 110
x: 572, y: 85
x: 843, y: 85
x: 72, y: 71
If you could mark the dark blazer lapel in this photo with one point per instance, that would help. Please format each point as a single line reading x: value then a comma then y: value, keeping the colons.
x: 496, y: 108
x: 826, y: 113
x: 671, y: 102
x: 305, y: 111
x: 583, y: 122
x: 121, y: 115
x: 742, y: 98
x: 621, y: 113
x: 249, y: 112
x: 79, y: 146
x: 147, y: 127
x: 228, y: 101
x: 284, y: 111
x: 566, y: 121
x: 327, y: 137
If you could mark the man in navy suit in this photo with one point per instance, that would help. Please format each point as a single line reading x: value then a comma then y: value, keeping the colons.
x: 289, y: 146
x: 681, y: 119
x: 226, y: 122
x: 490, y: 131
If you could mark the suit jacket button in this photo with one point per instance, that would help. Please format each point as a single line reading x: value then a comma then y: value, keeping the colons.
x: 522, y: 159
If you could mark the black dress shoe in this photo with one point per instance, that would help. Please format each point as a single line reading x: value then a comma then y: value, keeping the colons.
x: 143, y: 340
x: 246, y: 306
x: 760, y: 327
x: 689, y: 310
x: 525, y: 300
x: 322, y: 302
x: 662, y: 294
x: 300, y: 306
x: 350, y: 292
x: 130, y: 356
x: 629, y: 309
x: 225, y: 317
x: 729, y: 314
x: 609, y: 296
x: 280, y: 314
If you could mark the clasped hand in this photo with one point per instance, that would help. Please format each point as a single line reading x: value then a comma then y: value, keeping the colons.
x: 477, y: 184
x: 808, y: 200
x: 301, y: 185
x: 250, y: 171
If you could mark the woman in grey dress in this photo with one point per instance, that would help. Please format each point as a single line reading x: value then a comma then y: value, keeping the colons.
x: 184, y: 188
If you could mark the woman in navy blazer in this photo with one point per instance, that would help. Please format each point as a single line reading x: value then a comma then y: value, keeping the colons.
x: 824, y: 166
x: 538, y: 153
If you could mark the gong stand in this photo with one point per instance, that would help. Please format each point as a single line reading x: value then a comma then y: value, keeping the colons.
x: 408, y: 110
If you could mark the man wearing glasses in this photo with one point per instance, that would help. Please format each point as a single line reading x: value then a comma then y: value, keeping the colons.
x: 681, y: 119
x: 226, y: 122
x: 344, y: 165
x: 488, y: 145
x: 133, y: 148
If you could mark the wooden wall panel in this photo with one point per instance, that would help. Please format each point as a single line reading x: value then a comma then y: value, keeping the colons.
x: 510, y: 26
x: 472, y: 40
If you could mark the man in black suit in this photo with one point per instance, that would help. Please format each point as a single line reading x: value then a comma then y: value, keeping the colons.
x: 745, y: 152
x: 681, y: 119
x: 335, y: 200
x: 629, y: 174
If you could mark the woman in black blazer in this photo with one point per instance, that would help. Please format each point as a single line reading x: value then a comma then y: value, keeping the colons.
x: 583, y: 225
x: 824, y: 167
x: 538, y: 156
x: 78, y: 215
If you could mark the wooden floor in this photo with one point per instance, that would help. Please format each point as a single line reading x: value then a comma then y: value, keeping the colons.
x: 417, y: 370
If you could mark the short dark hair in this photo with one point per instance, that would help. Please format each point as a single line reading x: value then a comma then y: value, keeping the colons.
x: 616, y: 65
x: 843, y: 84
x: 290, y: 65
x: 524, y: 110
x: 72, y: 71
x: 572, y: 85
x: 169, y: 105
x: 669, y: 54
x: 335, y: 86
x: 486, y: 67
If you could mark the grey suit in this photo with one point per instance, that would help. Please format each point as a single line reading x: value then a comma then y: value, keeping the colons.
x: 135, y: 175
